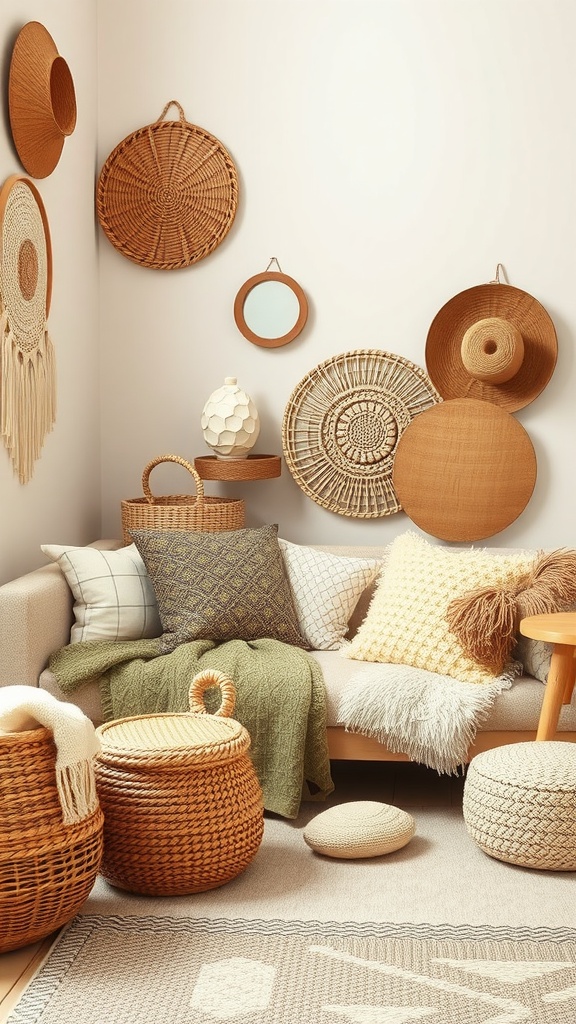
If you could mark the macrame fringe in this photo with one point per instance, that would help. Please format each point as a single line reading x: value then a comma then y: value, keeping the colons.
x: 486, y: 620
x: 27, y: 399
x: 76, y: 784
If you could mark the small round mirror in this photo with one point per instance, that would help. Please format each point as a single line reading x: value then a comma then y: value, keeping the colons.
x: 270, y: 309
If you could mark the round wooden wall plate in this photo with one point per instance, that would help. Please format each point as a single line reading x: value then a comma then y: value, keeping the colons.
x: 464, y: 470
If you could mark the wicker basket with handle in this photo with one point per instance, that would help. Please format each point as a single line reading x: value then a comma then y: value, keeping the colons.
x: 179, y: 511
x: 47, y: 868
x: 182, y: 804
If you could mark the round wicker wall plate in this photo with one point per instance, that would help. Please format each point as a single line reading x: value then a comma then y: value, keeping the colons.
x: 167, y: 194
x: 341, y: 428
x: 464, y: 470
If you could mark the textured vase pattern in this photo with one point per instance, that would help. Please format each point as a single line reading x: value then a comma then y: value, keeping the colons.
x: 230, y: 422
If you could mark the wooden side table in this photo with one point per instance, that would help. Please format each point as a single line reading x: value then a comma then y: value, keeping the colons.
x: 559, y: 629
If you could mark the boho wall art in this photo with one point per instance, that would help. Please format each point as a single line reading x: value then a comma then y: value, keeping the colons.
x: 28, y: 390
x: 167, y: 194
x: 41, y: 100
x: 342, y: 425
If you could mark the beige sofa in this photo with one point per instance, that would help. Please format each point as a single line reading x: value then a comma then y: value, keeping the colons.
x: 36, y: 615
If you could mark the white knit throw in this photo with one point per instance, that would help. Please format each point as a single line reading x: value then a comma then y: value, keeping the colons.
x: 25, y: 707
x: 431, y: 718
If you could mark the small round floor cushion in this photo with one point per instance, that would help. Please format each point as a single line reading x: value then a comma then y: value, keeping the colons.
x: 363, y: 828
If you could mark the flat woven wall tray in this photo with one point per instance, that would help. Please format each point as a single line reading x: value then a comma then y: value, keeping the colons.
x: 342, y: 424
x: 179, y: 511
x: 167, y: 194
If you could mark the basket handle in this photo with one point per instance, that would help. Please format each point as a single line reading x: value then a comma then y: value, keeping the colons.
x: 181, y: 462
x: 202, y: 682
x: 166, y: 109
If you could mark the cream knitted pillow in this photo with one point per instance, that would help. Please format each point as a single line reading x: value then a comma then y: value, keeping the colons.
x: 406, y: 621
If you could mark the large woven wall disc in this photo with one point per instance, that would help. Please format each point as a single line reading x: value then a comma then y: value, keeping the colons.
x: 341, y: 429
x: 167, y: 194
x: 500, y: 303
x: 464, y: 470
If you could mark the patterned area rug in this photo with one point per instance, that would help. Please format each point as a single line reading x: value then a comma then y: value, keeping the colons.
x: 149, y: 970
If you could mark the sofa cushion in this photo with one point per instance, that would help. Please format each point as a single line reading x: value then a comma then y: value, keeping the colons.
x: 227, y: 585
x: 326, y: 589
x: 113, y: 596
x: 406, y: 621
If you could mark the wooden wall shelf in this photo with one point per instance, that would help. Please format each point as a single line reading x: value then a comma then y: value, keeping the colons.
x: 253, y: 467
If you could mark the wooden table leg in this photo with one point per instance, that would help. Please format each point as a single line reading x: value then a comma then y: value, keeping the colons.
x: 559, y: 684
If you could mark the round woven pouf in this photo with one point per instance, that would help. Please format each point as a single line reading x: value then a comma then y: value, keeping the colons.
x: 520, y: 804
x: 361, y: 828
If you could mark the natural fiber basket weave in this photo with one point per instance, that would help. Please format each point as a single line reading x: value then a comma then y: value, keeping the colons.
x: 179, y: 511
x: 520, y: 804
x: 182, y: 804
x: 47, y: 869
x: 167, y: 194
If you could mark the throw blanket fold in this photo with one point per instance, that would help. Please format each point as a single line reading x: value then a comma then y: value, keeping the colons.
x: 431, y: 718
x: 75, y: 739
x: 280, y: 699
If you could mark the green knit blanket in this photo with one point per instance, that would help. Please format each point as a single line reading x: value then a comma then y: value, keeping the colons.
x: 280, y: 699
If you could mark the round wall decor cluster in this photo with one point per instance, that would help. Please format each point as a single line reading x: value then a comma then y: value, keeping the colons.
x: 342, y: 425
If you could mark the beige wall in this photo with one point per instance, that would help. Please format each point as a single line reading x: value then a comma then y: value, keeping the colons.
x: 390, y: 153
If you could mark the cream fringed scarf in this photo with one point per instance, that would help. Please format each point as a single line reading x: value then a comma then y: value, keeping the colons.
x: 75, y: 739
x: 27, y: 360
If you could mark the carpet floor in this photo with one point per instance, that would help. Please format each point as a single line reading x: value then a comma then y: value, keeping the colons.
x: 437, y: 929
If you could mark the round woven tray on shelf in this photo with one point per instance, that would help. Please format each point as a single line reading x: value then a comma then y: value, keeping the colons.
x: 342, y: 424
x: 179, y: 511
x: 253, y: 467
x: 182, y: 803
x: 47, y: 868
x: 167, y: 194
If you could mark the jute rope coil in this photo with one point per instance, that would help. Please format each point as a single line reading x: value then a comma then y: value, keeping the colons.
x: 493, y: 350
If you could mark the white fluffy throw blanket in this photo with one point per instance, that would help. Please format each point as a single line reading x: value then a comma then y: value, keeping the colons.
x: 23, y: 708
x: 431, y: 718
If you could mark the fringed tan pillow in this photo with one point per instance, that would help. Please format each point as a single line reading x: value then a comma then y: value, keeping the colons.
x: 486, y: 620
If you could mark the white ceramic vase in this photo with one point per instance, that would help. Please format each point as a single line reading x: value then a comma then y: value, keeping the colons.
x: 230, y: 421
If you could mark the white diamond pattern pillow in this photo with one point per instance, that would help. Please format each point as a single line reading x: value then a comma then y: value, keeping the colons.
x: 326, y: 588
x: 113, y: 594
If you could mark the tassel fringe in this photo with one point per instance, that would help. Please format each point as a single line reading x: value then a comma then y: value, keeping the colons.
x: 27, y: 399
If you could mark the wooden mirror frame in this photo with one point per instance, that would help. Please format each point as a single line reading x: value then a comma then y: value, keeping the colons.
x: 242, y: 295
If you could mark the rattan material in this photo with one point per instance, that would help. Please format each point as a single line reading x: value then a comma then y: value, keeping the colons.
x: 520, y: 804
x: 503, y: 302
x: 179, y: 511
x: 253, y: 467
x: 342, y: 425
x: 464, y: 470
x: 182, y: 803
x: 41, y: 100
x: 167, y: 194
x: 47, y: 869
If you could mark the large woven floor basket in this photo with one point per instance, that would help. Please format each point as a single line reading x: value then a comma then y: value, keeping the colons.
x: 179, y: 511
x: 182, y: 804
x: 47, y: 869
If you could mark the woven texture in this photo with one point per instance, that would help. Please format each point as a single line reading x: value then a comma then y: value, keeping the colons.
x: 167, y: 194
x: 220, y: 586
x: 520, y: 804
x: 179, y: 511
x: 47, y: 869
x: 182, y: 803
x: 501, y: 302
x: 406, y: 622
x: 363, y: 828
x: 342, y: 425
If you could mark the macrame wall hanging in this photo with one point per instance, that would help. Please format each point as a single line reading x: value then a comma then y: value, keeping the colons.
x: 28, y: 366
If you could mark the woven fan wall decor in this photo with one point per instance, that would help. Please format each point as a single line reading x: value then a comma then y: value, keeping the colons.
x: 167, y: 194
x: 342, y: 425
x: 28, y: 388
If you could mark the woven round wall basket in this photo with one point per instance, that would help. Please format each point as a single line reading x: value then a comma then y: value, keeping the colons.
x: 167, y: 194
x: 342, y: 425
x: 179, y: 511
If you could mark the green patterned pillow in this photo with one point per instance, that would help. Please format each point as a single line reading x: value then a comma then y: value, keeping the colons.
x: 228, y: 585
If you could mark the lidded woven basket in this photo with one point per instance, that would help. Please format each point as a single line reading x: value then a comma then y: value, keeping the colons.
x: 47, y: 868
x: 182, y: 804
x: 179, y: 511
